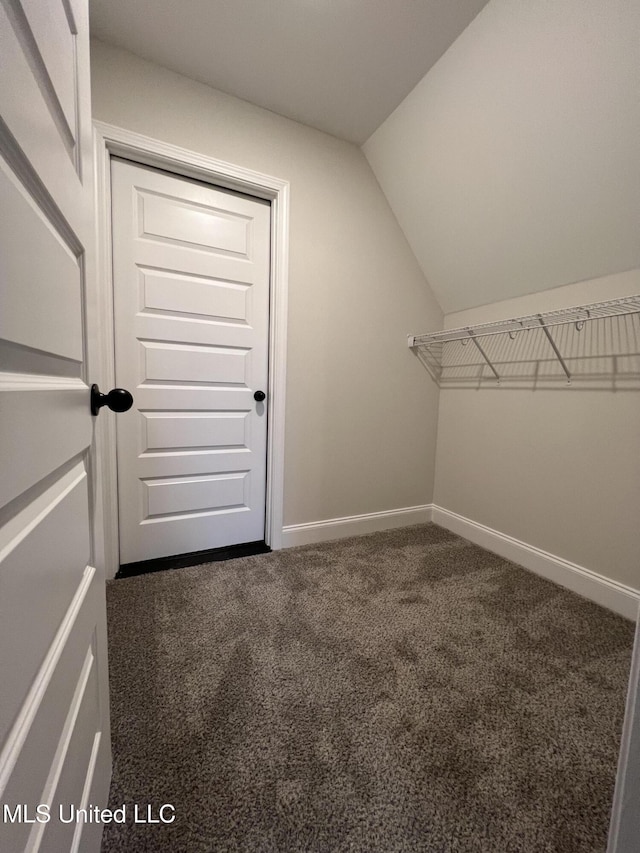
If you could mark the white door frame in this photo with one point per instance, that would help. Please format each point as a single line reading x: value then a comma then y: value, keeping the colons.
x: 111, y: 141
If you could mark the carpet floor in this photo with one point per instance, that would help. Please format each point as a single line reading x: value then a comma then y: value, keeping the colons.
x: 403, y: 691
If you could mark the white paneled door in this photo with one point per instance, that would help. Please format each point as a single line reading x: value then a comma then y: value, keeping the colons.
x: 191, y: 307
x: 54, y: 731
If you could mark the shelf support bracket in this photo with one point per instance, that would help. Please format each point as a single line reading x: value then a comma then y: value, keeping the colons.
x: 554, y: 347
x: 483, y: 354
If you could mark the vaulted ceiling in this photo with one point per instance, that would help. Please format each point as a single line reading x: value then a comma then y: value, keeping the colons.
x: 341, y: 66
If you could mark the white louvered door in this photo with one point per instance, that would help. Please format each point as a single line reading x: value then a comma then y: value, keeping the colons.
x: 54, y: 731
x: 191, y: 306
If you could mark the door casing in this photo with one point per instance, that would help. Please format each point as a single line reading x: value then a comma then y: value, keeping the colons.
x: 111, y: 141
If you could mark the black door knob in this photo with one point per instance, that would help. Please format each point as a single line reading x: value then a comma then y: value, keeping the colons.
x: 259, y: 396
x: 118, y: 400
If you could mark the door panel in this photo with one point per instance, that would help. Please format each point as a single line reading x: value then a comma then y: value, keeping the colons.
x: 191, y: 298
x: 51, y: 164
x: 211, y: 493
x: 58, y: 526
x: 192, y: 224
x: 54, y: 726
x: 40, y: 760
x: 191, y: 463
x: 49, y: 278
x: 54, y: 31
x: 75, y: 751
x: 23, y: 400
x: 194, y: 296
x: 193, y: 364
x: 194, y: 430
x: 184, y: 259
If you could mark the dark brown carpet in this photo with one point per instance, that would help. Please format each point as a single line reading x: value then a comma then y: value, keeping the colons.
x: 404, y: 691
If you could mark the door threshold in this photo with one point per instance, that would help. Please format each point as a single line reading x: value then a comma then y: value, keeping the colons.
x: 194, y: 558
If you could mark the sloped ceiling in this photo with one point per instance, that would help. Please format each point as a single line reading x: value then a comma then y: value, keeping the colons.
x: 337, y: 65
x: 514, y: 165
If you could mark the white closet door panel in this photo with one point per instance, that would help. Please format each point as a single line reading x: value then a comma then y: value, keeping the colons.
x: 167, y: 431
x: 184, y: 331
x: 23, y: 430
x: 188, y: 364
x: 54, y: 34
x: 192, y: 532
x: 182, y: 260
x: 39, y: 764
x: 212, y: 398
x: 53, y: 156
x: 206, y: 492
x: 187, y: 191
x: 53, y: 522
x: 73, y: 760
x: 194, y: 297
x: 47, y: 282
x: 192, y: 224
x: 178, y: 463
x: 191, y: 295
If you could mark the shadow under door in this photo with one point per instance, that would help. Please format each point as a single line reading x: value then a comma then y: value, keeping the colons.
x: 191, y: 308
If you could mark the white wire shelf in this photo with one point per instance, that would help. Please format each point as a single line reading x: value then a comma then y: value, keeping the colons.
x: 442, y: 358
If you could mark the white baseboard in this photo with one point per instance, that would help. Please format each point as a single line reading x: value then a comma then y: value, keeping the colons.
x: 615, y: 596
x: 354, y: 525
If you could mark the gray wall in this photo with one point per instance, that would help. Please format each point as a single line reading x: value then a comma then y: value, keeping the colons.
x: 558, y: 469
x: 361, y: 416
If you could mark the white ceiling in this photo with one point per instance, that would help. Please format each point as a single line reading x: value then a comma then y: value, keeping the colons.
x: 341, y: 66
